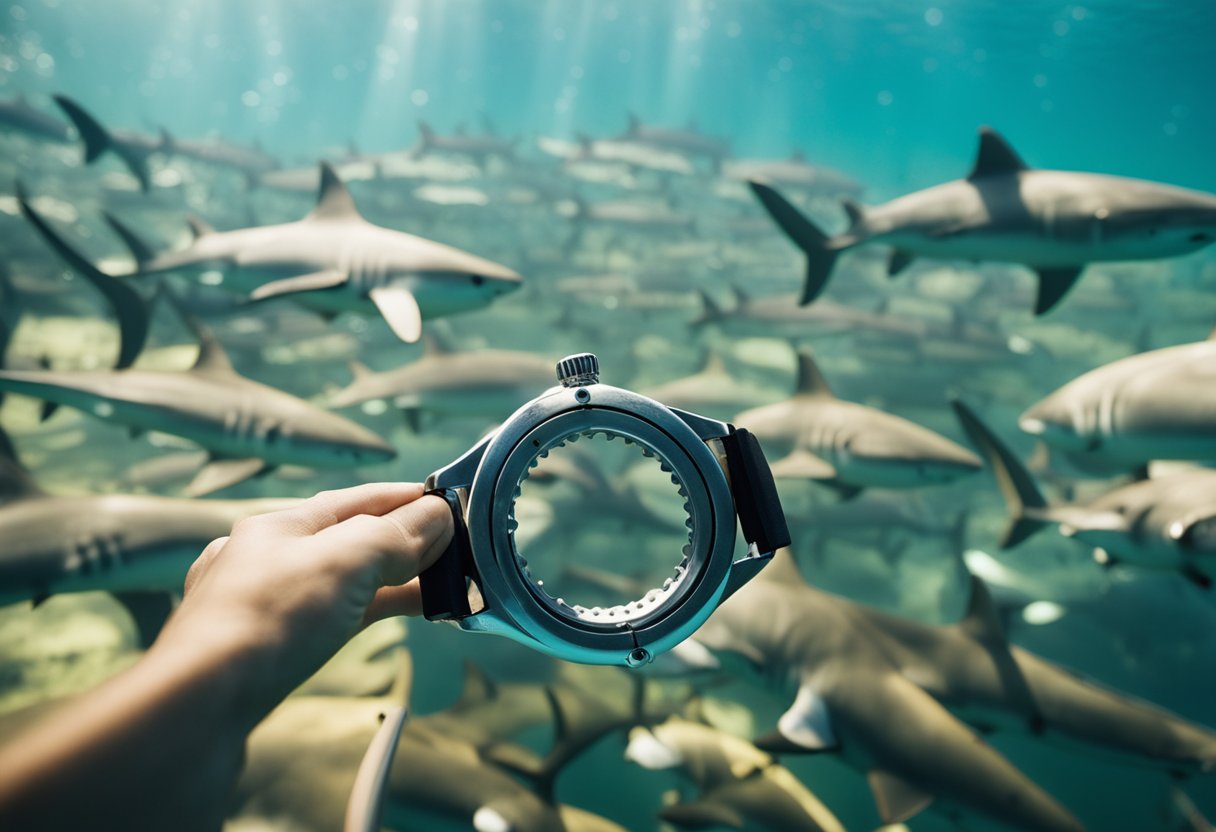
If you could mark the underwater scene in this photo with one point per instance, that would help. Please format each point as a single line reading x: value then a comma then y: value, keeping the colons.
x: 948, y: 261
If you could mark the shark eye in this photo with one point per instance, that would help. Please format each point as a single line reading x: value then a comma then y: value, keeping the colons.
x: 477, y: 280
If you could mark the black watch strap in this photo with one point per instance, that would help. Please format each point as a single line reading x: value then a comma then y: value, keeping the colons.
x: 755, y: 492
x: 444, y: 584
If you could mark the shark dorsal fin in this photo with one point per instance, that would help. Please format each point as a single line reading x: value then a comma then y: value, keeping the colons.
x: 433, y: 345
x: 212, y: 357
x: 981, y: 621
x: 810, y: 380
x: 403, y: 682
x: 359, y: 370
x: 334, y: 201
x: 995, y: 156
x: 15, y: 482
x: 854, y: 211
x: 477, y: 687
x: 713, y: 363
x: 897, y: 800
x: 198, y: 227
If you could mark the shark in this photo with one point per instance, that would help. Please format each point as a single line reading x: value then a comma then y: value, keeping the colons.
x: 712, y: 390
x: 250, y: 161
x: 1153, y: 405
x: 688, y: 141
x: 136, y: 547
x: 782, y: 315
x: 336, y: 261
x: 1166, y: 522
x: 849, y: 446
x: 302, y: 761
x: 793, y: 172
x: 248, y: 427
x: 18, y: 115
x: 476, y: 383
x: 132, y: 147
x: 908, y: 703
x: 738, y: 785
x: 477, y: 147
x: 1053, y: 221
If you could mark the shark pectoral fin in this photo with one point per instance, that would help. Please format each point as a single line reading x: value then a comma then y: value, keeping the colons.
x: 514, y: 758
x: 801, y: 464
x: 845, y: 490
x: 899, y: 261
x: 1054, y: 285
x: 148, y: 610
x: 312, y: 282
x: 219, y: 474
x: 896, y: 799
x: 702, y: 814
x: 1196, y: 576
x: 366, y: 802
x: 400, y: 309
x: 806, y: 726
x: 47, y: 410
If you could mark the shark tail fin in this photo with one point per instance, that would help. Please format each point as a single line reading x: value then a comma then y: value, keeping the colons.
x: 129, y: 307
x: 580, y: 720
x: 96, y: 137
x: 365, y: 806
x: 711, y: 312
x: 820, y: 253
x: 198, y: 227
x: 15, y: 480
x: 139, y: 248
x: 1017, y: 486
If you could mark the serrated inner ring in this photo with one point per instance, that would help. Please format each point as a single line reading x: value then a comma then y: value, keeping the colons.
x: 653, y: 599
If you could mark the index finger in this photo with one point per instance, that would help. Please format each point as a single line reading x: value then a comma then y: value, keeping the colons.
x: 330, y: 508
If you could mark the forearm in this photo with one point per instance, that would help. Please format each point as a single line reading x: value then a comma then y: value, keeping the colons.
x: 157, y: 747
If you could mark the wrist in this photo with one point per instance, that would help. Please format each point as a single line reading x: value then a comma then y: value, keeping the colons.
x: 228, y: 657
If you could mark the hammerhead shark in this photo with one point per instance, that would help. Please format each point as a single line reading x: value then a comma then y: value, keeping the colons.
x: 1166, y: 522
x: 1055, y: 222
x: 336, y: 261
x: 850, y: 446
x: 880, y: 690
x: 137, y: 547
x: 1154, y: 405
x: 738, y: 785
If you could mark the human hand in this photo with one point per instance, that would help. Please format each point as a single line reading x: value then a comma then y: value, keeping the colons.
x: 290, y: 587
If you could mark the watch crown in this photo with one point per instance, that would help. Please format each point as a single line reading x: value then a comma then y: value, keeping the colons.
x: 578, y: 370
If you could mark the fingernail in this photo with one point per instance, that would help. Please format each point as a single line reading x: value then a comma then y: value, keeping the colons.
x: 437, y: 527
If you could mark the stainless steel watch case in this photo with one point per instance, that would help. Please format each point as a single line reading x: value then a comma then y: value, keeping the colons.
x: 482, y: 584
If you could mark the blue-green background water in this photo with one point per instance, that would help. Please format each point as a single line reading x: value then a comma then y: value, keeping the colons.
x: 888, y: 90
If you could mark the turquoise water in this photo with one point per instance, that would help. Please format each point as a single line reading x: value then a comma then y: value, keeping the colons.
x: 888, y: 90
x: 890, y: 93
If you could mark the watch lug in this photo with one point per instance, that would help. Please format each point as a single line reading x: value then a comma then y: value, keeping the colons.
x: 744, y: 569
x: 459, y: 474
x: 704, y: 427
